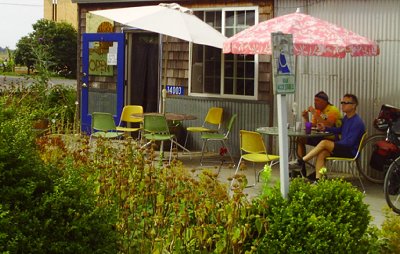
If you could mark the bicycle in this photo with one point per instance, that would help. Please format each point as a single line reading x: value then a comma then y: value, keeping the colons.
x: 380, y: 150
x: 392, y: 186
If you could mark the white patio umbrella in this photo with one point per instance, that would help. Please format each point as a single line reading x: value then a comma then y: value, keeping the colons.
x: 167, y: 19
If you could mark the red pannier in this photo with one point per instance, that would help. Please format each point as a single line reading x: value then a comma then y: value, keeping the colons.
x: 383, y: 155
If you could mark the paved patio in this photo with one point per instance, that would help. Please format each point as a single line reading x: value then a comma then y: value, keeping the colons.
x: 374, y: 195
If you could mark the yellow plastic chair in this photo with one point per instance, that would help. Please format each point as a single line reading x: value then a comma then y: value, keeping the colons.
x: 252, y: 149
x: 103, y: 126
x: 131, y: 114
x: 212, y: 122
x: 221, y: 137
x: 351, y: 161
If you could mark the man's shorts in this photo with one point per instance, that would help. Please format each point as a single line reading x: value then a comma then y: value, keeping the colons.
x: 343, y: 151
x: 314, y: 141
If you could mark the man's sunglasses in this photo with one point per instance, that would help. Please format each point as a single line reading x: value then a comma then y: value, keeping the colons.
x: 346, y: 102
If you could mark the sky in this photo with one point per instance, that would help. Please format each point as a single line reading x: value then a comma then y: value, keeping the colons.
x: 17, y: 18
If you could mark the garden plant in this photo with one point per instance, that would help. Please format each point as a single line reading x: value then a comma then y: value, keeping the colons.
x: 61, y: 194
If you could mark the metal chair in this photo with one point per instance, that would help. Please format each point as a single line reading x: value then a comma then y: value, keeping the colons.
x: 131, y: 114
x: 351, y: 161
x: 103, y: 126
x: 155, y: 128
x: 212, y: 123
x: 221, y: 137
x: 252, y: 149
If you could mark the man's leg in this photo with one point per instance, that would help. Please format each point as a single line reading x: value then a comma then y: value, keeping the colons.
x: 301, y: 147
x: 323, y: 145
x: 320, y: 162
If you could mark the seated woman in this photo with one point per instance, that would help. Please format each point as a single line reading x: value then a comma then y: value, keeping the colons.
x: 351, y: 132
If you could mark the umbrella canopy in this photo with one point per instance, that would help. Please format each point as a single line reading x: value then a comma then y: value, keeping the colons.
x: 311, y: 37
x: 167, y: 19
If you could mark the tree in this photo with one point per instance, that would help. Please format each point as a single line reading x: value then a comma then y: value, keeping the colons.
x: 60, y: 42
x: 23, y: 53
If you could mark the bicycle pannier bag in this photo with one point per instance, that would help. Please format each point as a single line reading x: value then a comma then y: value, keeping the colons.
x: 384, y: 153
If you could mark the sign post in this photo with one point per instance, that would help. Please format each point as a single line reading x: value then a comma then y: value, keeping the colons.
x: 284, y: 83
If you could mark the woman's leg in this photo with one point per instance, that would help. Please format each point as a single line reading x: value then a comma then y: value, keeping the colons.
x: 325, y: 144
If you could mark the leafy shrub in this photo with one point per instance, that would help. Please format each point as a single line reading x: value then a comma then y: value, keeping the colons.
x: 164, y: 208
x: 161, y: 208
x: 46, y: 209
x: 391, y: 232
x: 329, y: 217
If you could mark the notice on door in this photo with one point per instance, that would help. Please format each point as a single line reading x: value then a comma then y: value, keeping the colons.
x: 112, y: 54
x: 98, y: 65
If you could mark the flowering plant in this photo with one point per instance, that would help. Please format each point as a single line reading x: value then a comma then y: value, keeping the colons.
x: 323, y: 172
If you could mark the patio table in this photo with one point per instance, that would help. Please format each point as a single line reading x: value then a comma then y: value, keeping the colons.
x: 169, y: 116
x: 293, y: 134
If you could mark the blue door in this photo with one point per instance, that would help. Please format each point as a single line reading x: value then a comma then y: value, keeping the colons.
x: 103, y: 76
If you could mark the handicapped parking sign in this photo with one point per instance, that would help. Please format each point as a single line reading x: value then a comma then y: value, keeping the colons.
x: 282, y: 64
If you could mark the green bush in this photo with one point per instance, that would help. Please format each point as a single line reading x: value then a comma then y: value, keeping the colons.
x: 329, y: 217
x: 391, y: 232
x: 46, y: 209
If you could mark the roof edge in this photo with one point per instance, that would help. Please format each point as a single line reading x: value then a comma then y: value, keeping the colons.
x: 113, y: 1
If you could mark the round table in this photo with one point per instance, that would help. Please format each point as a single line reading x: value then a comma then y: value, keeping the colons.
x: 292, y: 134
x: 169, y: 116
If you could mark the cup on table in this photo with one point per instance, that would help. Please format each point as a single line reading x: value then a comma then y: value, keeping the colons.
x: 298, y: 126
x: 308, y: 127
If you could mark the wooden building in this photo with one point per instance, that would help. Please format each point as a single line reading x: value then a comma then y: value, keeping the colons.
x: 203, y: 75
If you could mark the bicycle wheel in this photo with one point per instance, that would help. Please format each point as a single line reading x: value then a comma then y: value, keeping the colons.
x: 371, y: 174
x: 392, y: 186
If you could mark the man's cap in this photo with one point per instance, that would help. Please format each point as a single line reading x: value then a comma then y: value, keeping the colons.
x: 323, y: 96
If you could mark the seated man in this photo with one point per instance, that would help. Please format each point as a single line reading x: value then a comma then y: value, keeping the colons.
x: 351, y: 131
x: 322, y: 112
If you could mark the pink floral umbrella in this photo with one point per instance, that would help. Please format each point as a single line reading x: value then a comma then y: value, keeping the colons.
x: 311, y: 37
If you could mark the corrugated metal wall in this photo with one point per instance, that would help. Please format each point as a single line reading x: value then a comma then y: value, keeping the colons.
x: 251, y: 114
x: 375, y: 80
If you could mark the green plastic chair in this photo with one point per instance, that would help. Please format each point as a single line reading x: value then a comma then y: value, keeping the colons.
x: 156, y: 128
x: 221, y: 137
x: 103, y: 126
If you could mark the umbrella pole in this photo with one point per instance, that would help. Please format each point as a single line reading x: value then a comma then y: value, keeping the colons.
x: 163, y: 85
x: 160, y: 73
